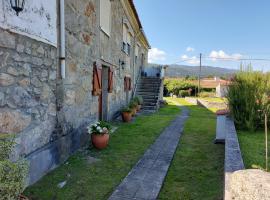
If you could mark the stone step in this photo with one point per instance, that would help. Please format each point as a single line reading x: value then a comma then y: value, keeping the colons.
x: 149, y: 107
x: 149, y: 85
x: 148, y: 90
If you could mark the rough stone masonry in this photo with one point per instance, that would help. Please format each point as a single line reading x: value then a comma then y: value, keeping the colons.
x: 48, y: 114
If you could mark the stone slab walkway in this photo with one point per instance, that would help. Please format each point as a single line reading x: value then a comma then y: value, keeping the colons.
x: 145, y: 180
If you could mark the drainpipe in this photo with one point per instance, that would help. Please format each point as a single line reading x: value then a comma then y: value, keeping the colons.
x: 134, y: 77
x: 62, y: 40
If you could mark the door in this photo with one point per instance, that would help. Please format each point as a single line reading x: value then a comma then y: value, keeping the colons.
x: 103, y: 103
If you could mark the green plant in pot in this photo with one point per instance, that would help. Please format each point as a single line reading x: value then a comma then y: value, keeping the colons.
x: 133, y: 106
x: 99, y: 134
x: 12, y: 174
x: 139, y: 101
x: 126, y: 114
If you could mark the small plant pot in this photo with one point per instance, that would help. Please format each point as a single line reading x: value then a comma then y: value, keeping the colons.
x: 138, y: 107
x: 100, y: 141
x: 126, y: 116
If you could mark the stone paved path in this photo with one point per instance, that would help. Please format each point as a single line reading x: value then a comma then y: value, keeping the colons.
x: 145, y: 180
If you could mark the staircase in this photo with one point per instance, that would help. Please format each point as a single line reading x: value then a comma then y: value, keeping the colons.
x: 149, y: 89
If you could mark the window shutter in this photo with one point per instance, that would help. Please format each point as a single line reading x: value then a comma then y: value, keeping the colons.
x: 97, y: 71
x: 110, y: 80
x: 125, y: 83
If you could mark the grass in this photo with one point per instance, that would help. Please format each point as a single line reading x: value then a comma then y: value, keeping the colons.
x: 98, y: 180
x: 214, y: 99
x: 197, y: 168
x: 252, y: 146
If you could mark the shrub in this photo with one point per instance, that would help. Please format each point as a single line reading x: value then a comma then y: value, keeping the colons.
x: 183, y: 93
x: 12, y: 174
x: 175, y: 85
x: 244, y: 96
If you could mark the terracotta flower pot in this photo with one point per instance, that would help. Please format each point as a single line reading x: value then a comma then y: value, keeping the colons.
x: 100, y: 141
x: 126, y: 116
x: 139, y: 107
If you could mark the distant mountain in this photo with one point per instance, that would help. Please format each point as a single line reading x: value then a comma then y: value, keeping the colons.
x: 185, y: 70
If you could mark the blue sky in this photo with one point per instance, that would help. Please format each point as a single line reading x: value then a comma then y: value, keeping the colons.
x: 224, y: 29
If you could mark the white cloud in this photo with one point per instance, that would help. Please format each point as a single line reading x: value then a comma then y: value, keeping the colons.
x: 193, y: 60
x: 214, y: 55
x: 156, y: 55
x: 190, y: 49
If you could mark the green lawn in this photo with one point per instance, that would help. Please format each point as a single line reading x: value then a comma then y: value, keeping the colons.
x: 196, y: 172
x: 214, y: 99
x: 252, y: 146
x: 98, y: 180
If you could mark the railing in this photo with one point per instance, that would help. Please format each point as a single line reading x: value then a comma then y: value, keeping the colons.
x: 136, y: 82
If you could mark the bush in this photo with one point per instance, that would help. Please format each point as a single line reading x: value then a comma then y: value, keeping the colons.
x: 245, y: 96
x: 12, y: 174
x: 183, y: 93
x: 175, y: 85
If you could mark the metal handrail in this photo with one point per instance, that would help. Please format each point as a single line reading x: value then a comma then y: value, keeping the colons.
x: 136, y: 83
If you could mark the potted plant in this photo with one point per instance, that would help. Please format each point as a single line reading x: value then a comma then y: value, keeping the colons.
x: 133, y: 106
x: 99, y: 134
x: 139, y: 100
x: 126, y: 114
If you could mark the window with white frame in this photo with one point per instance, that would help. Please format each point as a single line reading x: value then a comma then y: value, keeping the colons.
x: 105, y: 16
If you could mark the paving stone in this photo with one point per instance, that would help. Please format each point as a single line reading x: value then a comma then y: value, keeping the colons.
x: 145, y: 180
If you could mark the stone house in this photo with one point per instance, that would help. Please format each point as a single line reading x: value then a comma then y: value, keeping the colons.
x: 65, y: 64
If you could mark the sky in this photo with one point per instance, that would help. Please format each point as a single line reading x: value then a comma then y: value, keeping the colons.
x: 226, y: 32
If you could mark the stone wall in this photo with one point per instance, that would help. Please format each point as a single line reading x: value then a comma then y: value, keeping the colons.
x: 27, y: 91
x: 78, y: 106
x: 48, y: 114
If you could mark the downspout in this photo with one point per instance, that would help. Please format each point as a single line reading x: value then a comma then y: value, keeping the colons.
x: 62, y: 40
x: 134, y: 77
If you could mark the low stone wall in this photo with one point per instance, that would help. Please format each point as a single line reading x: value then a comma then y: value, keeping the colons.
x: 251, y: 184
x: 233, y: 157
x: 208, y: 104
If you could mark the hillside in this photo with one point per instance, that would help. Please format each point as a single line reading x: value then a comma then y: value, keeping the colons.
x: 185, y: 70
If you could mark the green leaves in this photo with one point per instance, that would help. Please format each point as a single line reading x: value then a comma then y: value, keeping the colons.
x: 248, y: 98
x: 12, y: 174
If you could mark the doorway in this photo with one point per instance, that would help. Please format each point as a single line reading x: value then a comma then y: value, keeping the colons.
x: 103, y: 97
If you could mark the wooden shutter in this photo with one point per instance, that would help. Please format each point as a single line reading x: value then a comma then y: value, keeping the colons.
x: 110, y: 80
x: 97, y: 87
x: 125, y: 83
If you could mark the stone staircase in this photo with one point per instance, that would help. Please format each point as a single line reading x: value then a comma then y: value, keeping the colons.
x: 149, y: 89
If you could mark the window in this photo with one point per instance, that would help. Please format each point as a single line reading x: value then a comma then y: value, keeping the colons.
x: 126, y: 40
x: 105, y: 16
x: 129, y: 44
x: 136, y: 53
